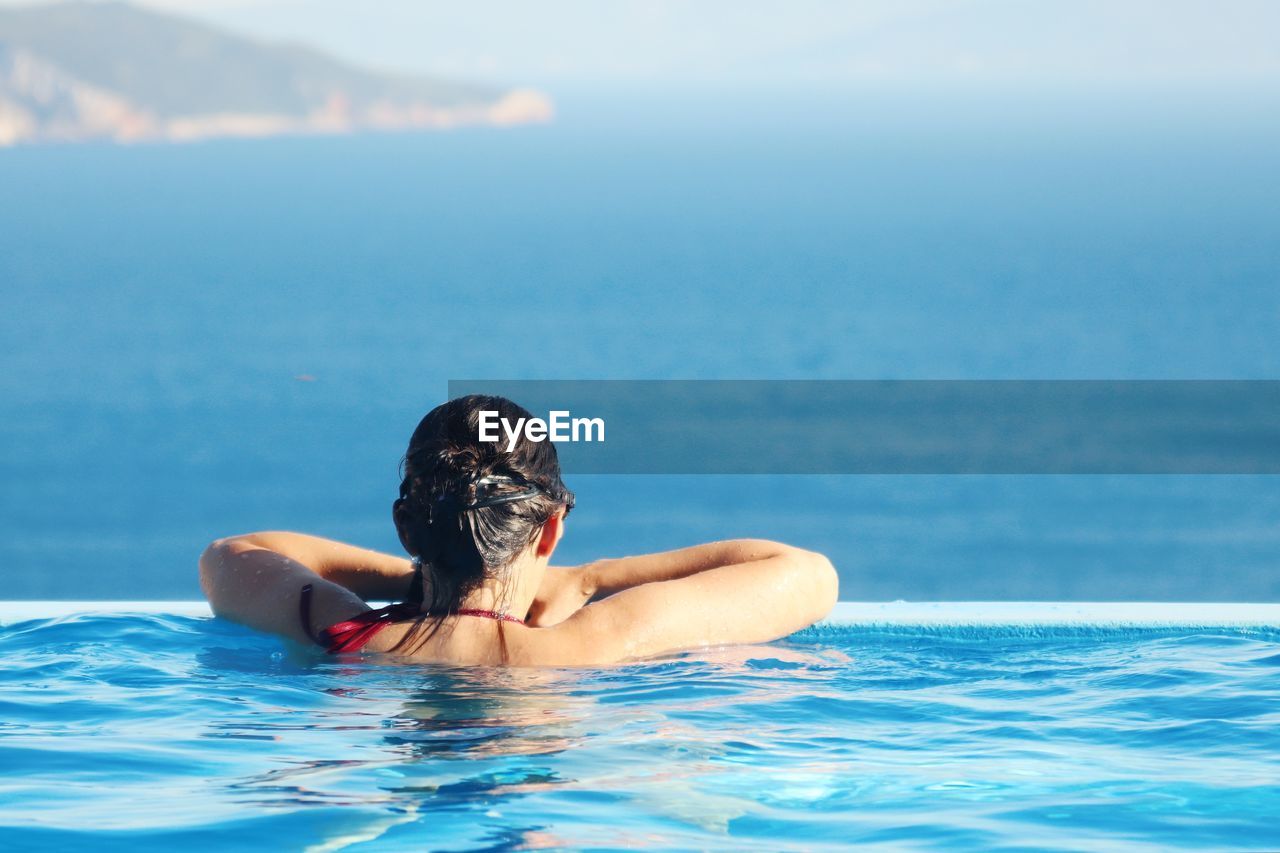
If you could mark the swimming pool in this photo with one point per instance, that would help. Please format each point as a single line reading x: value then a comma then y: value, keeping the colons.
x: 910, y: 726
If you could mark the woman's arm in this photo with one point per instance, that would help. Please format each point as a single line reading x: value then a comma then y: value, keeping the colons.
x: 564, y: 591
x: 372, y: 575
x: 693, y: 599
x: 257, y: 578
x: 261, y: 587
x: 605, y: 577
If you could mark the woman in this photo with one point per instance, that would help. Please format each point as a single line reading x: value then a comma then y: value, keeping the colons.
x: 480, y: 525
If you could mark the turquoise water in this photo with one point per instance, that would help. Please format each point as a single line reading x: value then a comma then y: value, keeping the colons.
x: 157, y: 304
x: 160, y: 732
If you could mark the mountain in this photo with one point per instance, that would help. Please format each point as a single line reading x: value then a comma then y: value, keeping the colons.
x: 78, y: 71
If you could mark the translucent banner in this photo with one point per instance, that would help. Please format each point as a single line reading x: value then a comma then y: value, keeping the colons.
x: 898, y: 426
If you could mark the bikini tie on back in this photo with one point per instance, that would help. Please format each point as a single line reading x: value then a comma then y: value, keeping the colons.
x: 354, y: 633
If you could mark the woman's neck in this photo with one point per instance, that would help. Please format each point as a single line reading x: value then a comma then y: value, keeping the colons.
x: 512, y: 594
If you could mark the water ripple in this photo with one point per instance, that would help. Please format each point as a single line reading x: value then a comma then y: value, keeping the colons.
x: 153, y: 732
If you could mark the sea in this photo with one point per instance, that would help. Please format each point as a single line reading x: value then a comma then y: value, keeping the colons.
x: 206, y: 339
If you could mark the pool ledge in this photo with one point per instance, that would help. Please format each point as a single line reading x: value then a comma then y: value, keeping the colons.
x: 846, y: 613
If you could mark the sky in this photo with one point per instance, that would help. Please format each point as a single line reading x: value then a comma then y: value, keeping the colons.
x: 588, y: 43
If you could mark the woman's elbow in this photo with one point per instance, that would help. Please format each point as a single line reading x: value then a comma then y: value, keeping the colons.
x: 214, y: 570
x: 824, y: 582
x: 816, y: 579
x: 209, y: 563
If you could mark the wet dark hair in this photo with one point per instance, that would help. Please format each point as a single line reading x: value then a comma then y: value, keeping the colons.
x: 468, y: 508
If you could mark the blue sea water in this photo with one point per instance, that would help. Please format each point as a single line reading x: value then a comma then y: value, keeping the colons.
x: 206, y: 339
x: 132, y: 732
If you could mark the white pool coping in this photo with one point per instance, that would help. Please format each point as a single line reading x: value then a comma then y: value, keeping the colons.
x: 847, y: 613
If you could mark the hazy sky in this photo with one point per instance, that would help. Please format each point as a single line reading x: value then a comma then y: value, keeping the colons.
x: 747, y: 42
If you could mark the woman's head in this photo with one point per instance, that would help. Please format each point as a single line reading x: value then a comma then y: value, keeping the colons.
x: 469, y: 509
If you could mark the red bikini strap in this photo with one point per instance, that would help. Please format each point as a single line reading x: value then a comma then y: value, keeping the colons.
x: 304, y: 611
x: 490, y: 614
x: 354, y: 633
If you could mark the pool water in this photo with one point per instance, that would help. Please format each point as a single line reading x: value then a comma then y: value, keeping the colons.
x: 172, y: 732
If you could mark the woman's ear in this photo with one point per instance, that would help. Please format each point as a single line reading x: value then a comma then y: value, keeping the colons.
x: 549, y: 538
x: 400, y: 515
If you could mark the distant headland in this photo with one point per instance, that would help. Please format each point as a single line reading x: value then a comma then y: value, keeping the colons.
x: 82, y: 71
